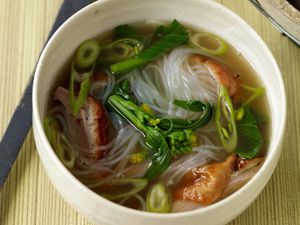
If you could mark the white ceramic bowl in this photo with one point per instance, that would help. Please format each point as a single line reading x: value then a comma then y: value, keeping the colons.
x: 102, y: 16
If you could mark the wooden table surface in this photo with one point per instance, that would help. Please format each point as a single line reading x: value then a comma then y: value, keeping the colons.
x: 28, y: 198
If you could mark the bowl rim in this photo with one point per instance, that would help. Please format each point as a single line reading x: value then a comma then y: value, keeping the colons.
x: 271, y: 159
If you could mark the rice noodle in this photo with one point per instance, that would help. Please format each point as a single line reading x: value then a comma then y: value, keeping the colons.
x: 120, y: 153
x: 118, y: 148
x: 172, y: 77
x: 115, y: 162
x: 138, y: 197
x: 136, y: 170
x: 71, y: 129
x: 100, y: 89
x: 117, y: 121
x: 92, y: 176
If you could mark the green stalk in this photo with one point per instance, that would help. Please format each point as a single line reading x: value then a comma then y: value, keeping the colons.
x: 154, y: 139
x: 127, y: 65
x: 176, y: 35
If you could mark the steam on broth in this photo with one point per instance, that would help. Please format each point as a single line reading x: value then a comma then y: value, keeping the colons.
x: 163, y: 120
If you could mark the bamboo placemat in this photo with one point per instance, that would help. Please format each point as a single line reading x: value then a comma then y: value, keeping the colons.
x: 28, y: 198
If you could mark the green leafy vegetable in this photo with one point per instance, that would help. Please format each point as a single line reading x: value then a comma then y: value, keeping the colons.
x: 176, y: 35
x: 160, y: 162
x: 174, y: 140
x: 248, y: 133
x: 154, y: 139
x: 163, y: 30
x: 194, y: 106
x: 121, y: 188
x: 181, y: 142
x: 225, y: 121
x: 247, y: 129
x: 238, y: 129
x: 159, y: 199
x: 126, y: 31
x: 123, y: 89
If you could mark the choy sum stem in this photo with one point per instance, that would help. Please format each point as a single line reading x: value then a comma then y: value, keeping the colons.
x: 176, y: 35
x: 154, y: 139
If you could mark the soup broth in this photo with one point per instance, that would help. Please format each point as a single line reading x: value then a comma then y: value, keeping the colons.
x: 168, y: 129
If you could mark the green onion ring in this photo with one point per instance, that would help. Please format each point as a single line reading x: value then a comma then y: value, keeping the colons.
x: 87, y: 53
x: 222, y: 45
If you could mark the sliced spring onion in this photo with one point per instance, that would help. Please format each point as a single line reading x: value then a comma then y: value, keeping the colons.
x: 159, y: 199
x: 80, y: 75
x: 83, y: 67
x: 121, y: 188
x: 119, y: 50
x: 87, y: 53
x: 196, y: 41
x: 59, y: 142
x: 77, y: 102
x: 225, y: 121
x: 51, y: 127
x: 256, y: 92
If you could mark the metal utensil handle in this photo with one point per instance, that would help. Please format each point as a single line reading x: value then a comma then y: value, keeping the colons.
x: 274, y: 22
